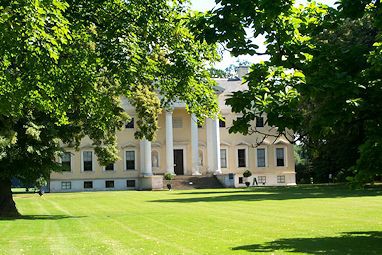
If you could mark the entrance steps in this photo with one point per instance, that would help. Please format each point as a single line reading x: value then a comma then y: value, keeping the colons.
x: 182, y: 182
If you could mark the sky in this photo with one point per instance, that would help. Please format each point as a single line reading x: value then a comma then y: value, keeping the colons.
x: 205, y: 5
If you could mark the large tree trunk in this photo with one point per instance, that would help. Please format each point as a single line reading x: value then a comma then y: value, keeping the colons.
x: 7, y: 205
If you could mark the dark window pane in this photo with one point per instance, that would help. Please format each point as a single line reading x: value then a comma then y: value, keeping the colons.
x: 130, y: 160
x: 240, y: 179
x: 259, y: 122
x: 109, y: 184
x: 222, y: 123
x: 66, y: 161
x: 109, y: 167
x: 130, y: 124
x: 88, y: 160
x: 88, y: 185
x: 130, y: 183
x: 280, y: 157
x: 241, y: 157
x: 260, y: 157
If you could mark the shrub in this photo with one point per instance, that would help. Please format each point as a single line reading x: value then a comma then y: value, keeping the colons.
x: 247, y: 173
x: 168, y: 176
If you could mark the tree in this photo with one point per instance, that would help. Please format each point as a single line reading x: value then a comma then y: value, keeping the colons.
x: 323, y: 78
x: 64, y: 66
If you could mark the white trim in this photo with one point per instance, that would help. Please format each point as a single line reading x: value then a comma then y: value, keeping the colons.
x: 82, y: 160
x: 241, y: 147
x: 266, y: 157
x: 285, y: 156
x: 135, y: 160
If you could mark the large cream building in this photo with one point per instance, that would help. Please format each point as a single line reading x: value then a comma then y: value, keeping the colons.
x: 183, y: 148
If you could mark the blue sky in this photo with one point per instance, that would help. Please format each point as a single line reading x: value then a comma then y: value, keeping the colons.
x: 204, y: 5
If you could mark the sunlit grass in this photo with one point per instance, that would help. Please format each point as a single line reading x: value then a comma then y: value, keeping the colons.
x: 295, y: 220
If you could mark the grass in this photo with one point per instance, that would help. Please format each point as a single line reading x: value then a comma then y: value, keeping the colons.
x: 294, y: 220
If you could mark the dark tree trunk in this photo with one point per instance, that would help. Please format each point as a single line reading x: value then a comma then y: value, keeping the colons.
x: 7, y: 205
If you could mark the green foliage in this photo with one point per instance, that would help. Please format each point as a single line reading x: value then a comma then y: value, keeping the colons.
x: 65, y: 66
x: 247, y: 173
x: 322, y: 80
x: 168, y: 176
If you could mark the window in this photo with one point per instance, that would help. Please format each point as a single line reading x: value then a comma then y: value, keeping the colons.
x: 281, y: 179
x: 280, y: 157
x: 66, y: 161
x: 130, y: 124
x: 260, y: 157
x: 177, y: 122
x: 109, y: 184
x: 155, y: 159
x: 88, y: 160
x: 130, y: 160
x: 66, y: 185
x: 241, y: 158
x: 259, y: 122
x: 240, y: 180
x: 223, y: 158
x: 109, y: 167
x: 88, y: 184
x: 262, y: 179
x: 222, y: 123
x: 130, y: 183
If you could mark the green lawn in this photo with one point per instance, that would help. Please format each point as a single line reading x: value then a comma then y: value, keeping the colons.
x: 295, y: 220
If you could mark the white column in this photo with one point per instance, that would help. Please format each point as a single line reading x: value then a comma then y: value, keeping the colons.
x: 146, y: 165
x: 194, y: 145
x: 169, y: 143
x: 213, y: 146
x: 216, y: 134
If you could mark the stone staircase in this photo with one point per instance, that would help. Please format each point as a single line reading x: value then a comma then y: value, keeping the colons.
x: 182, y: 182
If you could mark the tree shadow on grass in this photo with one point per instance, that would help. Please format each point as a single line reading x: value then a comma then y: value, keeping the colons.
x: 348, y: 243
x: 41, y: 217
x: 273, y: 193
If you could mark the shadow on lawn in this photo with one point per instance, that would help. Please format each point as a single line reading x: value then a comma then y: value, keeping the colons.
x: 274, y: 193
x: 348, y: 243
x: 41, y: 217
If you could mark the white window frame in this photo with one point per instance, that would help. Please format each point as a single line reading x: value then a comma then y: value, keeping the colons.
x: 135, y: 159
x: 266, y: 157
x: 285, y: 156
x: 71, y: 162
x: 226, y: 157
x: 93, y: 160
x: 246, y: 157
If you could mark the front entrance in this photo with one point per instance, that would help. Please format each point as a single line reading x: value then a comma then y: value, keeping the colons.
x: 178, y: 162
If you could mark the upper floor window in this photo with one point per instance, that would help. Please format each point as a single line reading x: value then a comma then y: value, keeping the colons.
x: 130, y: 124
x: 260, y: 157
x: 66, y: 159
x: 241, y: 158
x: 222, y: 123
x: 130, y: 160
x: 280, y: 157
x: 109, y: 167
x: 259, y: 122
x: 88, y: 160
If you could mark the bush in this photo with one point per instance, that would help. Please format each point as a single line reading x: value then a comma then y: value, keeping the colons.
x: 247, y: 173
x: 168, y: 176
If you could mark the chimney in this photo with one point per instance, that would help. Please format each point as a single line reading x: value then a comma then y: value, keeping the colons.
x: 242, y: 71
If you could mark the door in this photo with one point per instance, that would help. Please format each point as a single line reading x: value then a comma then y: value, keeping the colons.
x: 178, y: 162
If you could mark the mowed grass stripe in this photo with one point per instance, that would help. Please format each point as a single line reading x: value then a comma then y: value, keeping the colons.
x: 298, y: 220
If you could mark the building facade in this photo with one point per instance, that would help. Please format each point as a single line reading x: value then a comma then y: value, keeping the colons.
x: 182, y: 147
